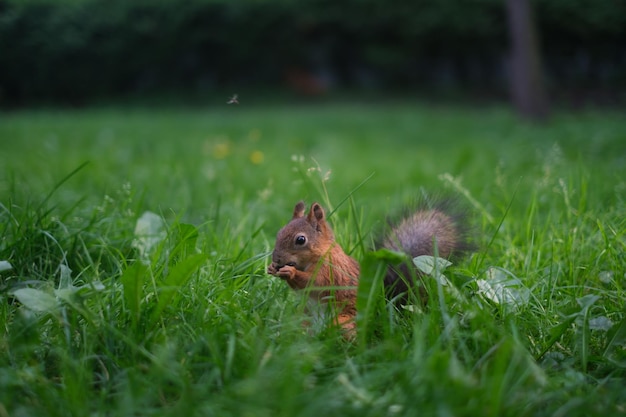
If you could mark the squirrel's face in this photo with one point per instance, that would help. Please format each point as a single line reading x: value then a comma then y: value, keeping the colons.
x: 295, y: 245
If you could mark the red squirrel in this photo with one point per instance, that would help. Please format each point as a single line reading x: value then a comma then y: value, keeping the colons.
x: 306, y: 255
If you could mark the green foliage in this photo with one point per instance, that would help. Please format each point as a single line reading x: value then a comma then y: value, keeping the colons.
x: 371, y: 292
x: 137, y: 285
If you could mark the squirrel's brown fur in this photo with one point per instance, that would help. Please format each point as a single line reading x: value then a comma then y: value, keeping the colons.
x: 306, y: 255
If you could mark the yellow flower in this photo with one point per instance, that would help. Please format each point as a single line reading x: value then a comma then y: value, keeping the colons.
x: 257, y: 157
x: 221, y: 150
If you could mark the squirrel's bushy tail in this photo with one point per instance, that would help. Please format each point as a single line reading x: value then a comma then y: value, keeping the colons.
x: 431, y: 228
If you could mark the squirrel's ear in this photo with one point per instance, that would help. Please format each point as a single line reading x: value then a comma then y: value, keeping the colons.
x: 317, y: 219
x: 298, y: 210
x: 316, y: 214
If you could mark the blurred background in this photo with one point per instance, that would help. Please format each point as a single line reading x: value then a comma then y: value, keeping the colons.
x: 76, y: 52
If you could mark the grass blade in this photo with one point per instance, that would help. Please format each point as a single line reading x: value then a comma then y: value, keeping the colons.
x: 60, y: 183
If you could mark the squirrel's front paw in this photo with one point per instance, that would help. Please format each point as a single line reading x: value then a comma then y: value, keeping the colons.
x: 271, y: 269
x: 286, y: 272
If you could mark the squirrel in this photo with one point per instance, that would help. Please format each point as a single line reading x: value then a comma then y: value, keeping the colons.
x: 307, y: 256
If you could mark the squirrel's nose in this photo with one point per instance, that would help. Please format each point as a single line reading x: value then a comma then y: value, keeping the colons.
x: 276, y: 258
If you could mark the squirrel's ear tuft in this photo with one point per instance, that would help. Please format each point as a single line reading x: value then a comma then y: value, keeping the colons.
x: 298, y: 210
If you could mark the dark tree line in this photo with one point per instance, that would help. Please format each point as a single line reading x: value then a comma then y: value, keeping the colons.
x: 77, y: 50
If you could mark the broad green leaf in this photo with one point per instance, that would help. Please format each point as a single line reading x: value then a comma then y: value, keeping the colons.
x: 65, y: 277
x: 66, y: 294
x: 5, y: 266
x: 587, y: 301
x: 434, y: 267
x: 388, y: 256
x: 428, y: 264
x: 182, y: 271
x: 36, y: 300
x: 178, y: 276
x: 149, y: 232
x: 186, y: 238
x: 503, y: 288
x: 92, y: 286
x: 132, y: 281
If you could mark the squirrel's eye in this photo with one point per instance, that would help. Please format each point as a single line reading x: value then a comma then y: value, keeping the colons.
x: 300, y: 240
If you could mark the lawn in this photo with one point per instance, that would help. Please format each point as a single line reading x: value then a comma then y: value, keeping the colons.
x: 134, y: 244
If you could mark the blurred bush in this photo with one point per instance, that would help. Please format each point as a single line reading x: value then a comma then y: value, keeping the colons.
x: 75, y: 50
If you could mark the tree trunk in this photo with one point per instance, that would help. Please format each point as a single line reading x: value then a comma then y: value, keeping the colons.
x: 526, y: 80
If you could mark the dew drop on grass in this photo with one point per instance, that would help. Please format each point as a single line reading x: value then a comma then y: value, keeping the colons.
x: 605, y: 277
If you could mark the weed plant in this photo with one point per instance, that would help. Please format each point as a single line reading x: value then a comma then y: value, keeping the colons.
x: 134, y: 244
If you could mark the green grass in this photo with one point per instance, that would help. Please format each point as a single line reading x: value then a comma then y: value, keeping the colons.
x: 96, y: 321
